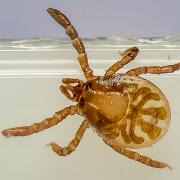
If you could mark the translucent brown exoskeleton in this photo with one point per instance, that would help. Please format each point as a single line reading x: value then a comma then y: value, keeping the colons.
x: 127, y: 111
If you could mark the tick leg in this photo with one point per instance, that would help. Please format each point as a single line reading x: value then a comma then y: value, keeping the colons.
x: 128, y: 55
x: 73, y: 144
x: 77, y: 42
x: 71, y: 80
x: 138, y: 157
x: 47, y: 123
x: 154, y: 69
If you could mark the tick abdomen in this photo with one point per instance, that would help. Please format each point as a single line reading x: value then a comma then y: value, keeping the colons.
x: 127, y: 110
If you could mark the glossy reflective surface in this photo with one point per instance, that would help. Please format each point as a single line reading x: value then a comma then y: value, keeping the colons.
x: 28, y: 99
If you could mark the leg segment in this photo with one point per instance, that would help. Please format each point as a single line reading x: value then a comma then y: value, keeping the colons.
x: 128, y: 55
x: 73, y: 144
x: 47, y: 123
x: 138, y: 157
x: 77, y: 42
x: 70, y: 80
x: 154, y: 69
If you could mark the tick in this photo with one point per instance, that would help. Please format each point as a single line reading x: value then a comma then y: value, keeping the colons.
x: 125, y: 110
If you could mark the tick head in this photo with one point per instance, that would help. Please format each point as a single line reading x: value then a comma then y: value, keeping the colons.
x: 72, y: 92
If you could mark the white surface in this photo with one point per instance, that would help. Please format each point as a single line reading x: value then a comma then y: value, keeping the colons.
x: 28, y: 99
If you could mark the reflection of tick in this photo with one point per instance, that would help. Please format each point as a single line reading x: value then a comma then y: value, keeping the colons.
x: 126, y: 111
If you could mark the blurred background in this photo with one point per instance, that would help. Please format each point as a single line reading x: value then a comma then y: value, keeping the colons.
x: 25, y: 19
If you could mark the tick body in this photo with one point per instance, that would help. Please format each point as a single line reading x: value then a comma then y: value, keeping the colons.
x: 126, y: 111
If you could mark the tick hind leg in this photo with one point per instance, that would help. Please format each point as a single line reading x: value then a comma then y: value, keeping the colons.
x: 73, y: 144
x: 77, y: 42
x: 47, y: 123
x: 138, y: 157
x: 154, y: 69
x: 128, y: 55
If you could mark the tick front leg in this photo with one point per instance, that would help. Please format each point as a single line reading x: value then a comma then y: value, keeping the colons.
x: 77, y: 42
x: 128, y: 55
x: 73, y: 144
x: 71, y: 80
x: 138, y: 157
x: 47, y: 123
x: 154, y: 69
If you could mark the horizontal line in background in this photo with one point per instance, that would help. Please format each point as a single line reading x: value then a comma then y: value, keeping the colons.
x: 31, y: 59
x: 69, y: 61
x: 113, y: 48
x: 66, y: 73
